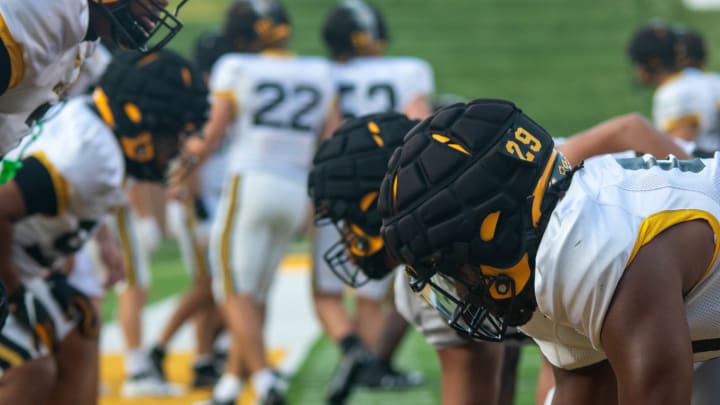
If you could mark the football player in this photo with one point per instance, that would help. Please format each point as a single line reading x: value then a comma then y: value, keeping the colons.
x: 500, y: 229
x: 693, y: 57
x: 41, y: 47
x: 276, y: 104
x: 189, y: 219
x: 343, y: 185
x: 684, y: 103
x: 132, y: 126
x: 356, y: 36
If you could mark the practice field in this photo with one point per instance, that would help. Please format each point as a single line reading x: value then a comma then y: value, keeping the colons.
x: 562, y: 61
x: 315, y: 367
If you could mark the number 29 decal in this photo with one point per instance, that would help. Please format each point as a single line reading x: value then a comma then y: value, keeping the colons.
x: 524, y: 146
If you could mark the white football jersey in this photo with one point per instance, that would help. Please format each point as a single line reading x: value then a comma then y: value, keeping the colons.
x: 43, y: 37
x: 687, y: 96
x: 375, y: 84
x: 87, y: 167
x: 610, y: 210
x: 281, y: 104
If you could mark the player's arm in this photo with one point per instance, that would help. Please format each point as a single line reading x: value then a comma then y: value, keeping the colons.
x: 418, y: 108
x: 197, y: 150
x: 37, y: 188
x: 645, y: 333
x: 626, y: 132
x: 333, y: 122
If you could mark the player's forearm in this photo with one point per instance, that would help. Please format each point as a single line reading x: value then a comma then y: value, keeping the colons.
x: 627, y: 132
x: 8, y: 275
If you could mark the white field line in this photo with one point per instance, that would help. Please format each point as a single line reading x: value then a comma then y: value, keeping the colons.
x: 291, y: 326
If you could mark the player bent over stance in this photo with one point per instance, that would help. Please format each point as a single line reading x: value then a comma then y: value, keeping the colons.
x: 612, y: 267
x: 72, y: 177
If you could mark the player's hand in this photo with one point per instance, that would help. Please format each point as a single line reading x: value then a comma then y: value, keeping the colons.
x: 30, y: 313
x: 112, y: 258
x: 193, y: 154
x: 75, y: 304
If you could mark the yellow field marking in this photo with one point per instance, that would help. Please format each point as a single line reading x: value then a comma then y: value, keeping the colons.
x: 178, y: 367
x: 296, y: 262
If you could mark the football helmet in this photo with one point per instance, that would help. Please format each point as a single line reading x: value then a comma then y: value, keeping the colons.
x: 691, y: 48
x: 253, y: 25
x: 653, y: 47
x: 143, y: 25
x: 344, y: 183
x: 464, y: 203
x: 150, y: 101
x: 209, y: 47
x: 355, y: 28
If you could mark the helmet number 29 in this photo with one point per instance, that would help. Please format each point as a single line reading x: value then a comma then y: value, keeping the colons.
x: 523, y: 145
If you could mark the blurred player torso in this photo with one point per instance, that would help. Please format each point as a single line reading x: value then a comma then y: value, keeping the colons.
x: 375, y: 84
x: 46, y: 33
x: 282, y: 102
x: 87, y: 168
x: 607, y: 214
x: 692, y: 96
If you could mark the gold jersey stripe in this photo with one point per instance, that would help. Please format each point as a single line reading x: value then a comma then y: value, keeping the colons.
x: 225, y: 260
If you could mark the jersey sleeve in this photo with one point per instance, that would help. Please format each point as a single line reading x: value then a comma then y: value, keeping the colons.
x: 225, y: 77
x: 581, y: 258
x: 676, y: 106
x: 423, y: 78
x: 84, y: 160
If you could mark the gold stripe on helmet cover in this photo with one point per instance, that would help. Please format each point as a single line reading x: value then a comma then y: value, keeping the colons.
x: 367, y: 200
x: 488, y: 226
x: 103, y: 106
x: 15, y: 52
x: 539, y: 192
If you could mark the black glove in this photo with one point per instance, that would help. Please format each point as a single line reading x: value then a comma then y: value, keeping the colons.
x: 75, y: 305
x: 30, y: 313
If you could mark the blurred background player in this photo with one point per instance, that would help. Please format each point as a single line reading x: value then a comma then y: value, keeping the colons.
x: 693, y: 57
x: 53, y: 207
x: 40, y: 46
x: 189, y: 219
x: 356, y: 36
x: 684, y: 103
x: 276, y: 104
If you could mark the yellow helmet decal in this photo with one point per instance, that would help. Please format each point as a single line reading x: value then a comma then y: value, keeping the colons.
x: 520, y: 273
x: 374, y: 243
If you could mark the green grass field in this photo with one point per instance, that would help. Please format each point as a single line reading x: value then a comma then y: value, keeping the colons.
x: 562, y: 61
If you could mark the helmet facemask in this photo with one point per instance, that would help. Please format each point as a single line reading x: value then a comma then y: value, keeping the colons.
x: 358, y: 256
x: 143, y: 25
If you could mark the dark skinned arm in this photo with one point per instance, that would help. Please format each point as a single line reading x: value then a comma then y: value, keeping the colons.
x: 645, y: 333
x: 12, y: 209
